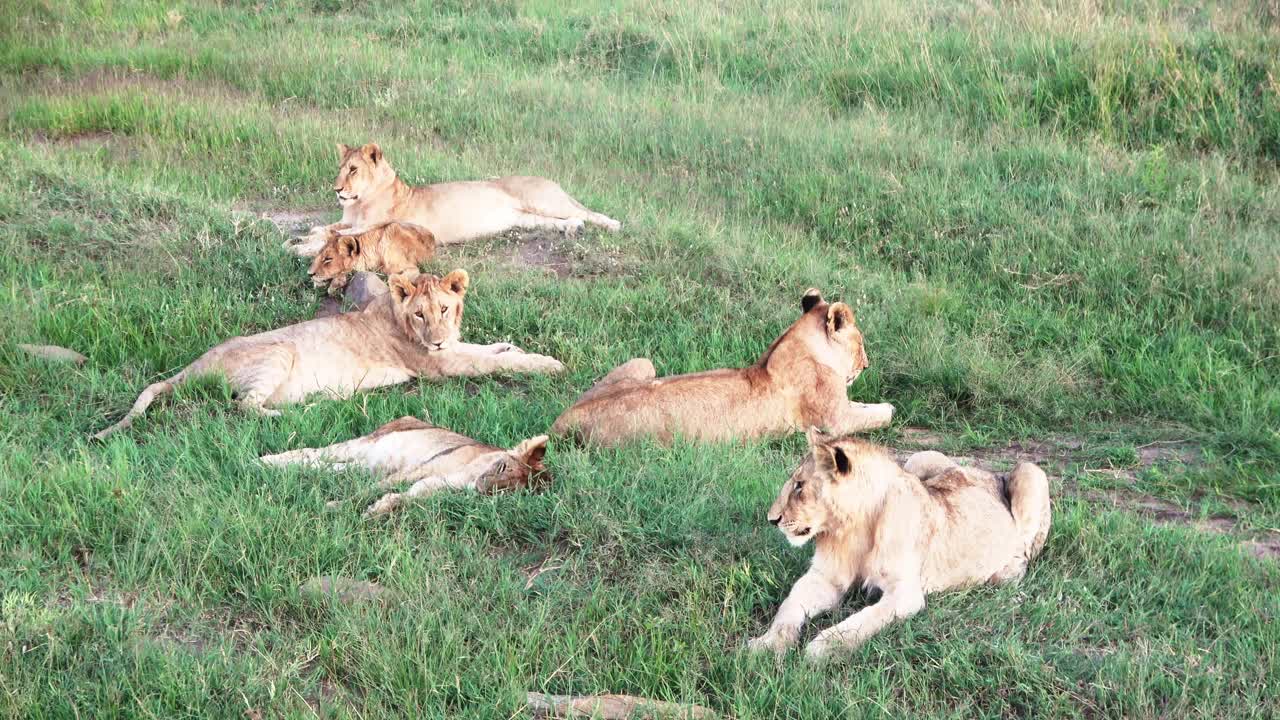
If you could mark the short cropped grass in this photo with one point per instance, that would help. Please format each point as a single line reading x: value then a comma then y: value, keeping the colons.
x: 1053, y: 219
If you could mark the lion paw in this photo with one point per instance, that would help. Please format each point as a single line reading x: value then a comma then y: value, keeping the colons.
x: 388, y: 503
x: 769, y: 642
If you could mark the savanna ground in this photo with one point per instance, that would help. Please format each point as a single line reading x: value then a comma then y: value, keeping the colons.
x: 1058, y: 222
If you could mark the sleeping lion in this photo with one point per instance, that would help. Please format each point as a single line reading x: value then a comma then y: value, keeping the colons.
x: 428, y: 459
x: 370, y: 192
x: 412, y: 331
x: 799, y: 382
x: 922, y: 528
x: 389, y: 248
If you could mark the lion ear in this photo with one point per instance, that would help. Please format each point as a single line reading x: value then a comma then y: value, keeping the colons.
x: 343, y: 149
x: 816, y: 436
x: 457, y: 281
x: 532, y: 451
x: 373, y: 152
x: 839, y: 317
x: 832, y: 459
x: 402, y: 287
x: 348, y: 245
x: 810, y: 299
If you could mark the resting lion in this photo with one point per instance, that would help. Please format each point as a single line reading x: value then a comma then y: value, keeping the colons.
x: 799, y: 382
x: 370, y: 193
x: 925, y: 527
x: 412, y: 331
x: 432, y: 458
x: 389, y: 248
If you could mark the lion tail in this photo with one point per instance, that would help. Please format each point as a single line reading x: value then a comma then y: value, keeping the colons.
x: 1029, y: 504
x: 140, y: 405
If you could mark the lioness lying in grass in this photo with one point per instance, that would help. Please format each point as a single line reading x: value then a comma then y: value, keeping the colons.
x: 370, y: 192
x: 428, y: 459
x: 925, y: 527
x: 412, y: 331
x: 799, y: 382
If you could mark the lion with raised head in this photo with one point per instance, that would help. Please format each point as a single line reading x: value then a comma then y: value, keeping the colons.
x: 907, y: 531
x: 799, y: 382
x: 412, y: 331
x: 390, y: 248
x: 429, y: 459
x: 370, y: 192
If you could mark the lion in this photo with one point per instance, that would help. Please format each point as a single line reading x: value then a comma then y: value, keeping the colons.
x: 907, y: 531
x: 370, y: 192
x: 800, y: 381
x: 390, y: 248
x: 432, y: 458
x: 412, y: 331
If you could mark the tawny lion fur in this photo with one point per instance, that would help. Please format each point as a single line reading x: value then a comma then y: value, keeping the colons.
x: 799, y: 382
x: 390, y: 248
x: 922, y: 528
x: 370, y: 192
x: 429, y: 459
x: 412, y: 331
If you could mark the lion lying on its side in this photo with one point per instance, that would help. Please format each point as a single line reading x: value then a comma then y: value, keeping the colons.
x: 412, y: 331
x: 925, y: 527
x: 370, y: 192
x: 799, y: 382
x: 431, y: 458
x: 389, y: 248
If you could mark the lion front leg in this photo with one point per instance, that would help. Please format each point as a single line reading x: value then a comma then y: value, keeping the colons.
x: 858, y: 417
x: 854, y: 630
x: 473, y: 360
x: 813, y: 594
x: 312, y: 243
x: 460, y: 479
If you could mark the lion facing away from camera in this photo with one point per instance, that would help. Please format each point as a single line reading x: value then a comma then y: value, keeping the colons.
x: 799, y: 382
x: 370, y: 192
x: 907, y: 531
x: 389, y: 248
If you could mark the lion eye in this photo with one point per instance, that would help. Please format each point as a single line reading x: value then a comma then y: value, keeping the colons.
x: 419, y: 315
x: 352, y: 169
x: 328, y: 260
x: 798, y: 488
x: 444, y: 311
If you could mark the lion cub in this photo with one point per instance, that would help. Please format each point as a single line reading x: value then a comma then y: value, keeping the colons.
x: 370, y: 192
x: 799, y: 382
x: 909, y: 531
x: 432, y: 458
x: 412, y: 331
x: 389, y: 248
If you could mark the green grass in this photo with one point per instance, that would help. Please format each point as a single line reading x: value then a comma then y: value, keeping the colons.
x: 1051, y: 220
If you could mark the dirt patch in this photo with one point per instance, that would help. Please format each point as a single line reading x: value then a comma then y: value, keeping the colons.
x: 540, y: 250
x: 290, y: 221
x: 1264, y: 546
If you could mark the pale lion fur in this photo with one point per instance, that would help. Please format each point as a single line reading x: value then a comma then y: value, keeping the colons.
x: 429, y: 459
x: 412, y: 331
x: 370, y: 192
x: 908, y: 531
x: 799, y: 382
x: 390, y: 248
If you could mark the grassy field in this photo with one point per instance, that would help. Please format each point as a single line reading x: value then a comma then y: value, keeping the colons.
x: 1059, y: 223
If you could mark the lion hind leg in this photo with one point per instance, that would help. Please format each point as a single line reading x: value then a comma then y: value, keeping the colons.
x: 633, y: 370
x: 1030, y: 505
x: 568, y: 226
x: 928, y: 464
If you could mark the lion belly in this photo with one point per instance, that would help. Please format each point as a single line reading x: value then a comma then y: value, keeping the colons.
x: 459, y: 211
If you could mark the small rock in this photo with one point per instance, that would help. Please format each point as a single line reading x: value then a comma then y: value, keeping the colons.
x: 53, y: 353
x: 363, y: 288
x: 346, y: 590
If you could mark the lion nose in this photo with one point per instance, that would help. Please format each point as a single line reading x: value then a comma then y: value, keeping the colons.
x: 775, y: 520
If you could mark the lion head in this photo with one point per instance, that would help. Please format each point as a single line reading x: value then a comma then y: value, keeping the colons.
x: 337, y: 257
x: 362, y: 171
x: 840, y: 480
x: 429, y: 308
x: 840, y: 347
x: 519, y: 467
